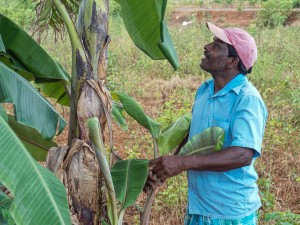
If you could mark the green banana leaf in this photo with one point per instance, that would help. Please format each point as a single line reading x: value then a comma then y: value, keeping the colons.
x: 136, y: 112
x: 38, y: 196
x: 144, y: 21
x: 210, y: 140
x: 31, y: 108
x: 129, y: 177
x: 3, y: 113
x: 118, y: 115
x: 173, y: 135
x: 22, y: 54
x: 36, y: 145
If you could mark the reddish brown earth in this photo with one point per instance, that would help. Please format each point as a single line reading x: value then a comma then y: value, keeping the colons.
x: 223, y: 16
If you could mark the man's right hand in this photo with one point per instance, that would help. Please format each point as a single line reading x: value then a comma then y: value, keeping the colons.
x: 151, y: 182
x: 161, y: 169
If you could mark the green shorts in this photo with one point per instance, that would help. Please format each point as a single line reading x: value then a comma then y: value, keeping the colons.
x: 192, y: 219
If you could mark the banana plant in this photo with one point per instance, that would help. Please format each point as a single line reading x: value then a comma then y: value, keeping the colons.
x: 23, y: 63
x: 166, y: 140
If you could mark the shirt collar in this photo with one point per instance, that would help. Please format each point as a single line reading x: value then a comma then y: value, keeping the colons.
x: 235, y: 85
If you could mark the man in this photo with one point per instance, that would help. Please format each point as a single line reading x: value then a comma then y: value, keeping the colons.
x: 221, y: 185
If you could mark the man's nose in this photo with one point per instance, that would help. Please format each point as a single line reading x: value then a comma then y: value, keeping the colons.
x: 206, y: 47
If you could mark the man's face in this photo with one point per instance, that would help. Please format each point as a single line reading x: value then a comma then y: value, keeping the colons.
x: 215, y: 57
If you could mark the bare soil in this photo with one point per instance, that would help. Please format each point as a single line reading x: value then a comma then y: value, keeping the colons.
x: 233, y: 16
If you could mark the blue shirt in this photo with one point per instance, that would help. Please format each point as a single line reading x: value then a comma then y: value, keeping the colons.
x: 239, y: 109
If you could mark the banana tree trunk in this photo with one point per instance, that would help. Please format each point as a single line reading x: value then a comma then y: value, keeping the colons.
x: 79, y: 169
x: 89, y: 96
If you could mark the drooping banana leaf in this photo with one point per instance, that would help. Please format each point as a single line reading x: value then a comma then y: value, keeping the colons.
x: 173, y: 135
x: 38, y: 196
x: 117, y: 115
x: 210, y: 140
x: 48, y: 14
x: 31, y: 109
x: 36, y: 145
x: 22, y: 54
x: 3, y: 113
x: 136, y: 112
x: 129, y: 177
x: 144, y: 21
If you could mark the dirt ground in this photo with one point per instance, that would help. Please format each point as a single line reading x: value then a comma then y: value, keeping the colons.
x: 223, y: 16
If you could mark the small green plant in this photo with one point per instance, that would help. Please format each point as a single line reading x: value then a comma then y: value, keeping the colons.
x: 282, y: 218
x: 267, y: 197
x: 296, y: 4
x: 275, y: 12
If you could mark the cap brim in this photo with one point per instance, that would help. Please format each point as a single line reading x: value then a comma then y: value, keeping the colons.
x: 218, y: 32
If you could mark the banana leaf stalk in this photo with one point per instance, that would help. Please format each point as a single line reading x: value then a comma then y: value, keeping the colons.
x: 95, y: 134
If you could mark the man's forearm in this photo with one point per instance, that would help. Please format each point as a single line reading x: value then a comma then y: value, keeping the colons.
x: 227, y: 159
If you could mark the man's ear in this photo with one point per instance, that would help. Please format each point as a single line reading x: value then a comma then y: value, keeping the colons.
x: 233, y: 62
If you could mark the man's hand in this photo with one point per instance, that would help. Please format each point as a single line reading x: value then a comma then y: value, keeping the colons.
x: 161, y: 169
x: 151, y: 182
x: 165, y: 167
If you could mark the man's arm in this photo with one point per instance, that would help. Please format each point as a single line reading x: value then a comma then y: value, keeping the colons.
x: 227, y: 159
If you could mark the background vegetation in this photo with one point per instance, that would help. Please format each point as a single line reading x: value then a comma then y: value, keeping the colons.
x: 166, y: 95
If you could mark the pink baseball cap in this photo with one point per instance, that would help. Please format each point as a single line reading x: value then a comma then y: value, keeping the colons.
x: 243, y: 42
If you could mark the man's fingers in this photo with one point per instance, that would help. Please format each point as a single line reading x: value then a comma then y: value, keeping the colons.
x: 151, y: 177
x: 150, y: 184
x: 160, y: 174
x: 146, y: 189
x: 154, y: 161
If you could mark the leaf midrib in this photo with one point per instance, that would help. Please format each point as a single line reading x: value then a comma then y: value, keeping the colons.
x: 201, y: 149
x: 126, y: 183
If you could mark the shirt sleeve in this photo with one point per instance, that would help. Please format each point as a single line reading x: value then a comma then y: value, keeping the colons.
x: 248, y: 123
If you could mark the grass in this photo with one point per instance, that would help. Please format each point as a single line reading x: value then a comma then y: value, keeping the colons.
x: 166, y: 94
